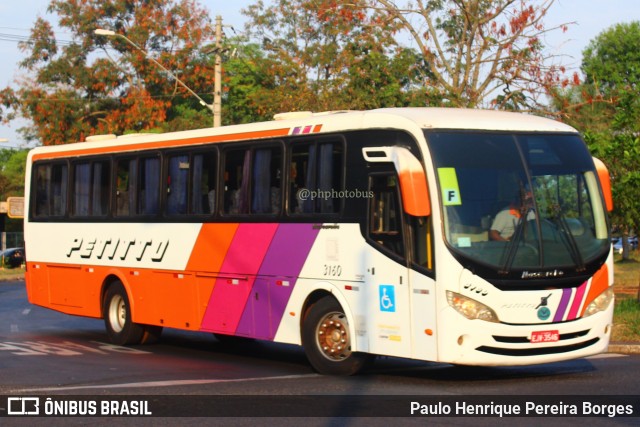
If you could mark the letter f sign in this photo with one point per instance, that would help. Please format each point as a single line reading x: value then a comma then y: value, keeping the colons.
x: 452, y: 197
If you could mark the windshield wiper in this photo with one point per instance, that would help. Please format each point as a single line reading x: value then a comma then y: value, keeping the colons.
x: 509, y: 254
x: 568, y: 240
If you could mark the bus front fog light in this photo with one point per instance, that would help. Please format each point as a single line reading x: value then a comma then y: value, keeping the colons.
x: 470, y: 308
x: 462, y: 339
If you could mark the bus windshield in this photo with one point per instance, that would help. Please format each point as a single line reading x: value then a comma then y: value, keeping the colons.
x: 519, y: 200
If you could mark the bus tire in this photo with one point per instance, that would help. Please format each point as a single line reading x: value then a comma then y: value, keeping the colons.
x: 327, y: 341
x: 116, y: 311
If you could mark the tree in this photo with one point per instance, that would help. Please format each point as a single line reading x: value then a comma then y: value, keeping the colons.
x: 328, y: 55
x: 470, y: 53
x: 244, y: 77
x: 93, y: 84
x: 607, y: 108
x: 482, y: 53
x: 12, y: 170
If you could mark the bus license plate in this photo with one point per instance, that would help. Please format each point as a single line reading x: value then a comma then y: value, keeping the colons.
x: 545, y: 336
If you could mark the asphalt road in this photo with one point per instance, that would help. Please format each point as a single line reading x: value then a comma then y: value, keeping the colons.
x: 50, y: 355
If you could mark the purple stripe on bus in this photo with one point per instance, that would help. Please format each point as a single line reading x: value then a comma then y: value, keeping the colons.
x: 277, y: 276
x: 562, y: 307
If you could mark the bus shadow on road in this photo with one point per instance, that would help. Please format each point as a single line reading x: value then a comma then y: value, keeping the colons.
x: 461, y: 373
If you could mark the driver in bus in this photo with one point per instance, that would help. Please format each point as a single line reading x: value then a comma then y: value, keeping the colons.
x: 506, y: 221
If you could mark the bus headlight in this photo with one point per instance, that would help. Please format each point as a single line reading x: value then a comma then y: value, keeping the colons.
x: 601, y: 303
x: 470, y: 308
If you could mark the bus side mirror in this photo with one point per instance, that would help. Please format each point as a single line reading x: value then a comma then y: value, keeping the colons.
x: 605, y: 182
x: 413, y: 181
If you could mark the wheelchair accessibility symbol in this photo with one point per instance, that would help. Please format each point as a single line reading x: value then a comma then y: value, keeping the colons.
x: 387, y: 298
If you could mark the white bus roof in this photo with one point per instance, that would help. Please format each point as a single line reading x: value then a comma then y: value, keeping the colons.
x: 412, y: 119
x: 475, y: 119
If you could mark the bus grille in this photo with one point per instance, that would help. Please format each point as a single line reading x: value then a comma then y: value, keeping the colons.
x: 520, y: 340
x: 537, y: 351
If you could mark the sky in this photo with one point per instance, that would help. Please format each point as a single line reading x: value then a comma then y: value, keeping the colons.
x: 591, y: 17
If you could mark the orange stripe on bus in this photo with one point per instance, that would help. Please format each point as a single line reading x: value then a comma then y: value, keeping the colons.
x: 164, y: 144
x: 599, y: 284
x: 211, y: 247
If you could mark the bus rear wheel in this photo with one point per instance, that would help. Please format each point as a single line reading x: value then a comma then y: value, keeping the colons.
x: 116, y: 311
x: 327, y: 341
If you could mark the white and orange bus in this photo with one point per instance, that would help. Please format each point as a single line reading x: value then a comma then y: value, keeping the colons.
x: 350, y: 233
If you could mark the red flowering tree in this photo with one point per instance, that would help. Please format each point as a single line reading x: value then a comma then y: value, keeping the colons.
x: 464, y: 53
x: 95, y: 84
x: 482, y: 53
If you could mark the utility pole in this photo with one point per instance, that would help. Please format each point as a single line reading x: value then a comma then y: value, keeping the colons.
x: 217, y: 90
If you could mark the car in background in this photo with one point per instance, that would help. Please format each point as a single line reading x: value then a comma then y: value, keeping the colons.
x: 617, y: 243
x: 12, y: 258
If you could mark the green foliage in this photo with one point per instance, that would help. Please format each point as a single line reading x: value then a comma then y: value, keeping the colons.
x: 12, y: 170
x: 245, y: 77
x: 626, y: 316
x: 327, y: 55
x: 611, y: 61
x: 606, y: 108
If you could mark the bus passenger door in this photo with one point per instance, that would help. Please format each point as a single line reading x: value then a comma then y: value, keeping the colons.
x: 387, y: 280
x: 407, y: 226
x: 423, y: 289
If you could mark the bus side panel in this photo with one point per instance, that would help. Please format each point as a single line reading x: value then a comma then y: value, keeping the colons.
x: 179, y: 299
x: 66, y: 285
x: 70, y: 289
x: 372, y: 289
x: 37, y: 285
x: 243, y: 259
x: 333, y: 265
x: 280, y: 269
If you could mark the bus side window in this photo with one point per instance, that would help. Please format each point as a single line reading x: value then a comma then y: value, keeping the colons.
x: 42, y: 178
x: 91, y: 189
x: 177, y: 184
x: 100, y: 188
x: 191, y: 184
x: 236, y: 181
x: 266, y: 194
x: 51, y: 190
x: 203, y: 193
x: 125, y: 187
x: 59, y: 177
x: 149, y: 186
x: 385, y: 213
x: 316, y: 168
x: 81, y: 189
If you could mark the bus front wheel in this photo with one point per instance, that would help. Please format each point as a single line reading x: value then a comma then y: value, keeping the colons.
x: 117, y: 317
x: 327, y: 340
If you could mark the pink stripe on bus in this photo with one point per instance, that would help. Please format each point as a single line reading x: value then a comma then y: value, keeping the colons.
x: 243, y: 259
x: 577, y: 301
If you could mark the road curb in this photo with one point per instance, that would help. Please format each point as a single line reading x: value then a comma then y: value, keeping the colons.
x: 624, y: 348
